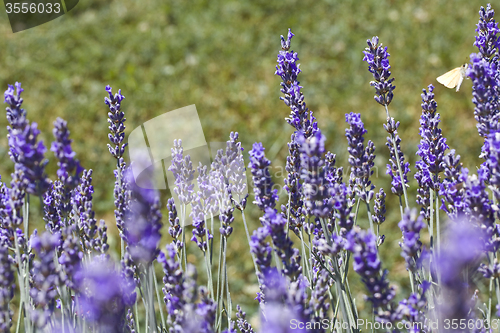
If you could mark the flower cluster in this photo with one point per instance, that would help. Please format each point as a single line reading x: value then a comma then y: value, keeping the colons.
x: 378, y: 64
x: 487, y: 40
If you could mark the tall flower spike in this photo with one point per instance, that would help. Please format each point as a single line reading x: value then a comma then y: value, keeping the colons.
x: 484, y: 95
x: 174, y: 288
x: 363, y: 246
x: 431, y: 150
x: 7, y: 286
x: 300, y: 117
x: 101, y: 295
x: 265, y: 195
x: 315, y: 185
x: 85, y: 216
x: 242, y: 322
x: 487, y: 40
x: 452, y: 186
x: 182, y: 168
x: 116, y: 120
x: 69, y: 167
x: 46, y: 277
x: 201, y: 207
x: 378, y: 64
x: 24, y: 148
x: 143, y: 223
x: 411, y: 246
x: 360, y: 158
x: 379, y: 210
x: 175, y: 229
x: 398, y: 181
x: 235, y: 170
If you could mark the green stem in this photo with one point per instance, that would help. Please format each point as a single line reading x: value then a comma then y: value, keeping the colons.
x: 158, y: 298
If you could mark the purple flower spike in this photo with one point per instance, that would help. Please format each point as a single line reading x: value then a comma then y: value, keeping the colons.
x: 315, y: 185
x: 46, y: 276
x: 242, y: 322
x: 363, y: 246
x: 378, y: 64
x: 485, y: 91
x: 24, y: 148
x: 360, y: 158
x: 69, y: 167
x: 182, y: 168
x: 398, y: 181
x: 431, y: 150
x: 116, y: 120
x: 300, y: 117
x: 411, y: 246
x: 458, y: 260
x: 7, y: 286
x: 259, y: 165
x: 102, y: 289
x: 452, y: 186
x: 143, y: 223
x: 487, y: 40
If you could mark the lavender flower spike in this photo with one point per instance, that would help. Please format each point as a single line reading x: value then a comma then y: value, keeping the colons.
x: 360, y: 158
x: 7, y: 286
x: 25, y: 150
x: 69, y: 167
x: 399, y: 181
x: 378, y: 64
x: 116, y: 120
x: 484, y: 94
x: 313, y: 174
x: 182, y: 168
x: 143, y: 223
x: 259, y: 165
x: 101, y: 298
x: 487, y: 40
x: 410, y: 226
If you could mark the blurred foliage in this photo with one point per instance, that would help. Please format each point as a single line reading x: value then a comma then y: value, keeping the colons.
x: 220, y: 55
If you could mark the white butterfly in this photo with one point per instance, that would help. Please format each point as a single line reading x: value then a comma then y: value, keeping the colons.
x: 453, y: 78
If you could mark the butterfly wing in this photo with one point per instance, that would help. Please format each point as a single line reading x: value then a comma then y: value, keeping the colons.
x: 452, y: 78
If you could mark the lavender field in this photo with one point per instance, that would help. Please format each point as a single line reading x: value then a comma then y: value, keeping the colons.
x: 240, y: 245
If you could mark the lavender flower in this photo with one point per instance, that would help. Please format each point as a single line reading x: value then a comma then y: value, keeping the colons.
x: 300, y: 117
x: 174, y: 288
x: 101, y: 299
x: 431, y: 151
x: 411, y: 246
x: 242, y: 322
x: 487, y: 40
x: 82, y: 202
x: 51, y: 215
x: 315, y: 188
x: 379, y: 207
x: 206, y: 312
x: 360, y: 158
x: 70, y: 258
x: 343, y: 208
x: 16, y: 198
x: 182, y: 168
x: 69, y: 167
x: 262, y: 251
x: 452, y: 185
x: 143, y: 223
x: 456, y: 263
x: 25, y: 149
x: 259, y: 165
x: 116, y: 120
x: 46, y: 277
x: 363, y: 246
x: 484, y: 94
x: 201, y: 207
x: 7, y: 286
x: 235, y: 170
x: 292, y: 210
x: 175, y: 229
x: 282, y: 243
x: 413, y: 310
x: 398, y: 180
x: 321, y: 284
x: 378, y: 64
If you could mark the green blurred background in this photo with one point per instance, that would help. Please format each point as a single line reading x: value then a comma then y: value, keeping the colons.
x: 221, y: 56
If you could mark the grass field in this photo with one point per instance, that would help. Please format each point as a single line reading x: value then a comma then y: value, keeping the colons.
x: 220, y: 55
